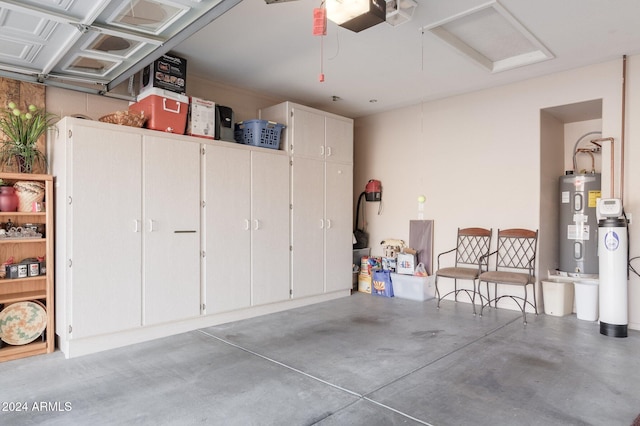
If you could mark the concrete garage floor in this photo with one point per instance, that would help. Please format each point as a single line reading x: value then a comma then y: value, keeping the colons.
x: 360, y: 360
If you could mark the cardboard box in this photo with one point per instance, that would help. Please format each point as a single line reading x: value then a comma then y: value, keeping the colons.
x: 169, y: 72
x: 364, y: 283
x: 166, y: 111
x: 202, y: 118
x: 406, y: 263
x: 413, y: 287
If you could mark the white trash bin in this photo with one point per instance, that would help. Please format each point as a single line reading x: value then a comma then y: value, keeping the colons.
x: 558, y: 297
x: 587, y: 300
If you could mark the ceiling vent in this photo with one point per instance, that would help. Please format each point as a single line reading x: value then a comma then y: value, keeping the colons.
x: 492, y: 37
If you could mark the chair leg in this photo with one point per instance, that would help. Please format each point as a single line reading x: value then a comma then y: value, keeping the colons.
x: 479, y: 289
x: 473, y: 299
x: 524, y: 306
x: 455, y: 289
x: 535, y: 304
x: 437, y: 291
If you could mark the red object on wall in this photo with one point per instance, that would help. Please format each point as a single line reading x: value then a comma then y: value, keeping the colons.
x: 319, y: 21
x: 373, y: 190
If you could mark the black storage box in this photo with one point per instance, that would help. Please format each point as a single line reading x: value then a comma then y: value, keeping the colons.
x: 168, y: 73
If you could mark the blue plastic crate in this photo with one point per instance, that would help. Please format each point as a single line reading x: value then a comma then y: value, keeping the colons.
x: 261, y: 133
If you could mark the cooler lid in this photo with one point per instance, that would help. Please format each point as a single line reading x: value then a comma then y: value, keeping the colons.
x: 156, y: 91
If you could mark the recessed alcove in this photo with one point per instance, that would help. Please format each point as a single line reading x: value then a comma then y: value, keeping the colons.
x: 562, y: 131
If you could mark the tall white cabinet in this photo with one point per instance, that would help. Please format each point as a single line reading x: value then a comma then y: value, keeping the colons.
x: 160, y: 233
x: 98, y: 218
x: 128, y: 212
x: 321, y: 146
x: 171, y: 229
x: 246, y: 203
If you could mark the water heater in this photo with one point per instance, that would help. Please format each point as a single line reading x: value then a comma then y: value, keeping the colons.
x: 578, y: 223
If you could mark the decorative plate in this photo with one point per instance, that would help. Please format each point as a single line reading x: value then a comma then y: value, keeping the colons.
x: 22, y: 322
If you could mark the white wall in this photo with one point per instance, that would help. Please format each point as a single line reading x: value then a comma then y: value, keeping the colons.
x: 244, y: 103
x: 477, y: 157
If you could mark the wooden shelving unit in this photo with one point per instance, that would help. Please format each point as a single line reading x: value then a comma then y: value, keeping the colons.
x: 41, y: 287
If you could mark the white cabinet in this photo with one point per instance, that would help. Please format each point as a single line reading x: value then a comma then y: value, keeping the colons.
x: 128, y: 211
x: 270, y: 232
x: 171, y: 229
x: 321, y: 227
x: 307, y: 227
x: 246, y: 226
x: 338, y: 236
x: 158, y: 234
x: 312, y: 133
x: 227, y: 228
x: 99, y: 208
x: 321, y: 145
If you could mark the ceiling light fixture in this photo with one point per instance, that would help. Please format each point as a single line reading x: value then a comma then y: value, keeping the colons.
x: 356, y: 15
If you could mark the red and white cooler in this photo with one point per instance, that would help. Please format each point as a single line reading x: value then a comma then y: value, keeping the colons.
x: 165, y: 111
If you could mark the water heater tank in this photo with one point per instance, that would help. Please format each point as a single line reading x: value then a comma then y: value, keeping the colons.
x: 578, y: 223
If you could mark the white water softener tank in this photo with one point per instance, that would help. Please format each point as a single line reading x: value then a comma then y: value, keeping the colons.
x: 578, y: 223
x: 612, y: 252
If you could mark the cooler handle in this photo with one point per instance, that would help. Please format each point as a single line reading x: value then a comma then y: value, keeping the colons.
x: 164, y: 106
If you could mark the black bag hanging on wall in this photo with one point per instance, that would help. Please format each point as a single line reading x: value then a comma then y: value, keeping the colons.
x: 362, y: 238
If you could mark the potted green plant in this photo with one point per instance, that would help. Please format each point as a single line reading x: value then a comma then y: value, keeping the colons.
x: 22, y: 130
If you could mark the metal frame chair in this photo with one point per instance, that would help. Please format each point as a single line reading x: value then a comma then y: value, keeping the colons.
x: 473, y: 244
x: 515, y: 266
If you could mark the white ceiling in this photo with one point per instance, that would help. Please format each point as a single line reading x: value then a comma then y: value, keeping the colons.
x: 270, y: 48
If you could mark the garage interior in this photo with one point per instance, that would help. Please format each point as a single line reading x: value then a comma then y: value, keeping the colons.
x: 484, y: 141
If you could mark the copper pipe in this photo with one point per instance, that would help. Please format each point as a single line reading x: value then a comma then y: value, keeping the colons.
x: 612, y: 195
x: 624, y: 112
x: 593, y: 160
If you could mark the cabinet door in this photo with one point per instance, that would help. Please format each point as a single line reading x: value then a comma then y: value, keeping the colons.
x: 307, y: 227
x: 270, y: 227
x: 338, y: 234
x: 339, y: 140
x: 171, y: 229
x: 104, y: 236
x: 308, y: 134
x: 227, y: 229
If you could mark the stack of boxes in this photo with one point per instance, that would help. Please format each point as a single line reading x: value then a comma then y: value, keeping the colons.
x: 163, y: 101
x: 162, y: 95
x: 400, y: 261
x: 162, y: 98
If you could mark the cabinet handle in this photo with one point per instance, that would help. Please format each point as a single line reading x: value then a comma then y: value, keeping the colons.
x: 321, y: 150
x: 152, y: 227
x: 185, y: 231
x: 164, y: 106
x: 257, y: 224
x: 328, y: 151
x: 328, y: 223
x: 321, y: 224
x: 246, y: 224
x: 136, y: 225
